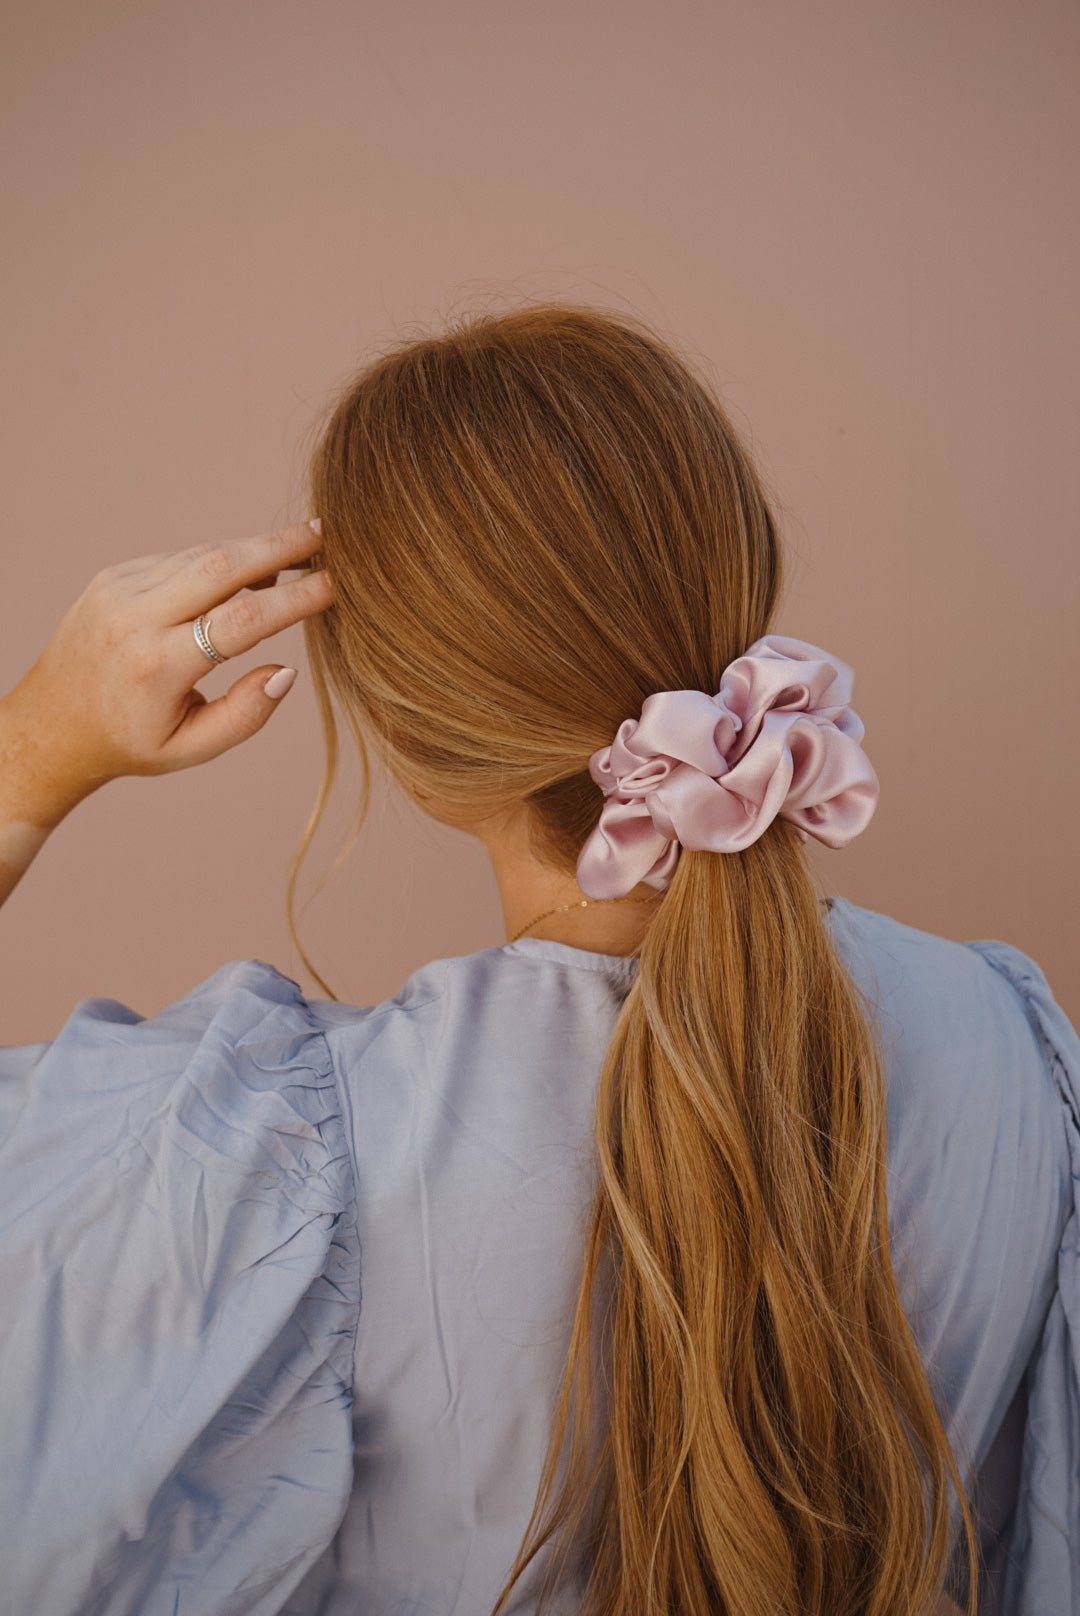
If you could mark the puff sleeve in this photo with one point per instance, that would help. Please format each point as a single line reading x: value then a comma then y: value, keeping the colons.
x: 179, y: 1292
x: 1039, y: 1555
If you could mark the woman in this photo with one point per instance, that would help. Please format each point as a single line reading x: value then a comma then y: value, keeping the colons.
x: 705, y: 1247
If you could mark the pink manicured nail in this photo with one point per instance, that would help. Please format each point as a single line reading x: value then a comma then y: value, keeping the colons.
x: 316, y: 526
x: 279, y: 683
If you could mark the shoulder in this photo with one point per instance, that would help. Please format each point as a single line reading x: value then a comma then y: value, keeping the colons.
x: 897, y: 964
x: 983, y: 1074
x: 982, y: 1064
x: 534, y: 1001
x: 237, y: 1069
x: 235, y: 1002
x: 975, y: 1014
x: 234, y: 1078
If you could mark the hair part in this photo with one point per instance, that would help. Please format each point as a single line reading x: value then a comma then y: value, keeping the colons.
x: 533, y: 521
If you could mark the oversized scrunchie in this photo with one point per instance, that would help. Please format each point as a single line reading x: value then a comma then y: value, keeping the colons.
x: 712, y: 772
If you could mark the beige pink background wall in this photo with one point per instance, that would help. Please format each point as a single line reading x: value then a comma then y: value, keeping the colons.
x: 861, y: 218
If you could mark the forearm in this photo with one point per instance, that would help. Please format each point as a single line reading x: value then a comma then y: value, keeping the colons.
x: 19, y: 844
x: 38, y: 788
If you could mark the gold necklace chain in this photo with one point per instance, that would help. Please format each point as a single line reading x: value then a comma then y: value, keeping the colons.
x: 581, y: 903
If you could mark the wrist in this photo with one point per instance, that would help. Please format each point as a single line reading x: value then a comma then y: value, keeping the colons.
x: 41, y: 780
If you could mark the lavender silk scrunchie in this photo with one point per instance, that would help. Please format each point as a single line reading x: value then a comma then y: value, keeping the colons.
x: 712, y: 772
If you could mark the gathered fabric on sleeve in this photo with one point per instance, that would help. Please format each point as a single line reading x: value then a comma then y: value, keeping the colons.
x: 179, y: 1294
x: 1035, y: 1565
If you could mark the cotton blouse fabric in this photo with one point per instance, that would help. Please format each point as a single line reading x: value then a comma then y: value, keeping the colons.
x: 285, y: 1285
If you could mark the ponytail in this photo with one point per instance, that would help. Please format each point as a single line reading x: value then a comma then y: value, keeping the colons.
x: 773, y: 1445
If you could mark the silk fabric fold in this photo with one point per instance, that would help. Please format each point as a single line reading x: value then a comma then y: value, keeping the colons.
x: 713, y: 772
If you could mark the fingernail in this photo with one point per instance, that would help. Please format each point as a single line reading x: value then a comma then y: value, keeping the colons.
x: 279, y: 683
x: 316, y: 526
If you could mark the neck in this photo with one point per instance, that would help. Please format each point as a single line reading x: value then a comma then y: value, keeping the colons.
x: 529, y: 889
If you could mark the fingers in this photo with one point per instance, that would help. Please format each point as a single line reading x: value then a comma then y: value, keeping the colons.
x: 245, y: 620
x: 213, y: 727
x: 197, y: 580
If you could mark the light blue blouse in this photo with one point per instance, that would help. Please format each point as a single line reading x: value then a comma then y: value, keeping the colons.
x: 285, y: 1286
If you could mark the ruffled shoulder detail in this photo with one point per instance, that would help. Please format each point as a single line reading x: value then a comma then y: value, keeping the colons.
x: 1040, y: 1563
x: 180, y: 1277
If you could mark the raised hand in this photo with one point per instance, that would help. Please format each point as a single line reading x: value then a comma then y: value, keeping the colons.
x: 114, y: 691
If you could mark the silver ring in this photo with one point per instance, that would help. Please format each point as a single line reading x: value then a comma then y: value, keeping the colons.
x: 202, y: 640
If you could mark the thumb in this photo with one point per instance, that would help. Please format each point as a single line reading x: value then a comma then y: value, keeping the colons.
x: 215, y: 726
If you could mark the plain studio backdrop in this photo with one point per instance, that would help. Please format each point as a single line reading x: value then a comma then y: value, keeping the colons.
x: 859, y: 220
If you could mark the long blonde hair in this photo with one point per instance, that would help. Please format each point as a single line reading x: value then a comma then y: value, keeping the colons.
x: 534, y: 520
